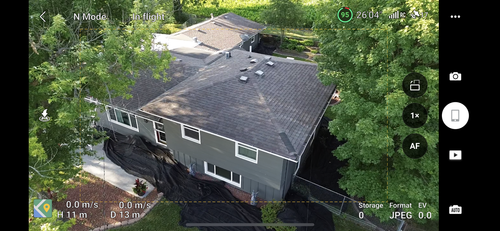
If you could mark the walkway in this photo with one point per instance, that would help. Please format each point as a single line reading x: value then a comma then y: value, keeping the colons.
x: 110, y: 172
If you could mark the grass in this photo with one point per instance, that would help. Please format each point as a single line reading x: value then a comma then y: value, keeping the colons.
x: 295, y: 33
x: 342, y: 223
x: 296, y: 58
x: 170, y: 28
x: 164, y: 216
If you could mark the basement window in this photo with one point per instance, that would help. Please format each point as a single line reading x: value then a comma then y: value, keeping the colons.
x: 222, y: 174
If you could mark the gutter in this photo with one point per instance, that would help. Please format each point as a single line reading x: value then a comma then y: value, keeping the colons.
x: 314, y: 131
x: 282, y: 157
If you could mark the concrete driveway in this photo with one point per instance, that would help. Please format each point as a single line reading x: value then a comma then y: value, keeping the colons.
x: 110, y: 172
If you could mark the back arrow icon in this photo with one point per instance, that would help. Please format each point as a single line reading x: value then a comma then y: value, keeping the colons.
x: 41, y: 16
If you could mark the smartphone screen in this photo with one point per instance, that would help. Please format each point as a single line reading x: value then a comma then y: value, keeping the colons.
x: 454, y: 115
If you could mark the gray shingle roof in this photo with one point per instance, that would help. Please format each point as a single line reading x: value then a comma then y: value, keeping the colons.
x: 223, y: 32
x: 276, y: 113
x: 147, y: 88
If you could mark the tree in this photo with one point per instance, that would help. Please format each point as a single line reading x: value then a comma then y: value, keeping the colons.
x: 69, y: 60
x: 367, y: 59
x: 283, y: 14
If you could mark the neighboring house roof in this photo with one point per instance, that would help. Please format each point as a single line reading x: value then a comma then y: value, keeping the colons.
x: 276, y: 113
x: 222, y: 32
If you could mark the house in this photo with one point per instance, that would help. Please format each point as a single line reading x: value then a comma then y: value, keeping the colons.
x: 241, y: 117
x: 223, y: 32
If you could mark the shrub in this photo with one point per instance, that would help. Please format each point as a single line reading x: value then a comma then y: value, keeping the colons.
x: 300, y: 48
x: 314, y: 51
x: 307, y: 42
x: 293, y: 41
x: 270, y: 215
x: 290, y: 46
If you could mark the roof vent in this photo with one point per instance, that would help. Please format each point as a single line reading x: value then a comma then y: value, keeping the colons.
x: 244, y: 79
x: 253, y: 61
x: 244, y: 69
x: 269, y: 63
x: 290, y: 58
x: 228, y: 54
x: 225, y: 16
x: 212, y: 16
x: 195, y: 39
x: 259, y: 73
x: 267, y: 57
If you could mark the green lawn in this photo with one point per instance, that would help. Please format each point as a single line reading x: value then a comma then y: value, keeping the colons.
x: 164, y: 216
x: 295, y: 33
x: 342, y: 223
x: 291, y: 56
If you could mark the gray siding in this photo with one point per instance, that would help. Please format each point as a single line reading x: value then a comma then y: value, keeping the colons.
x: 289, y: 168
x: 145, y: 128
x: 246, y: 45
x: 265, y: 176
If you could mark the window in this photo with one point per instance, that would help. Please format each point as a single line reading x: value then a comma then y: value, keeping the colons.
x: 246, y: 152
x: 161, y: 138
x: 223, y: 174
x: 190, y: 133
x: 122, y: 118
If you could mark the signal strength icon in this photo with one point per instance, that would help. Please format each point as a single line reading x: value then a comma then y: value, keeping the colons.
x: 398, y: 14
x: 394, y: 15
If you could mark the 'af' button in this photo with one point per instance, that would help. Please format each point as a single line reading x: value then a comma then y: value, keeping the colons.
x: 414, y: 146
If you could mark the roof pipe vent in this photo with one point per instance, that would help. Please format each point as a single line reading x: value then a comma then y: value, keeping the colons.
x: 228, y: 54
x: 195, y: 39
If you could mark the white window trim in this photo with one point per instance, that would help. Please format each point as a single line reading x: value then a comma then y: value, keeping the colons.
x: 214, y: 175
x: 223, y: 137
x: 198, y: 141
x: 121, y: 124
x: 157, y: 130
x: 236, y: 149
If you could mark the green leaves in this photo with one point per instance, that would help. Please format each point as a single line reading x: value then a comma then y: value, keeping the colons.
x: 102, y: 61
x: 56, y: 33
x: 367, y: 60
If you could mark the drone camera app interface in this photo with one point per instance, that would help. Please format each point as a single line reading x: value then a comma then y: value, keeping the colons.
x: 242, y: 115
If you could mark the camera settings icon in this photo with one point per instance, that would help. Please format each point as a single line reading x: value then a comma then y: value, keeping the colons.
x: 455, y: 76
x: 455, y: 209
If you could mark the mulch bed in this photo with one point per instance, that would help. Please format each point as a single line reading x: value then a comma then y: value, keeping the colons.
x: 102, y: 198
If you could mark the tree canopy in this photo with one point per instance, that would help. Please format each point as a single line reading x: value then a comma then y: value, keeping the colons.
x: 367, y: 59
x: 70, y: 60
